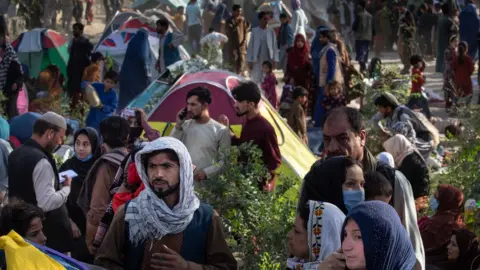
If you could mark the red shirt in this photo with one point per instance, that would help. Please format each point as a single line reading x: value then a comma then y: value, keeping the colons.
x: 462, y: 75
x: 261, y: 132
x: 417, y: 79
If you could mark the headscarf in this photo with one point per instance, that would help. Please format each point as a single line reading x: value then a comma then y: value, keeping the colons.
x: 4, y: 129
x: 399, y: 147
x: 437, y: 230
x: 324, y: 226
x: 296, y: 4
x: 298, y: 57
x: 135, y: 74
x: 77, y: 165
x: 386, y: 158
x: 386, y: 244
x: 149, y: 217
x: 9, y: 57
x: 324, y: 183
x: 468, y: 245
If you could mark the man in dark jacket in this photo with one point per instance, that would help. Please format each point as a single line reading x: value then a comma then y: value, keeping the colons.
x: 344, y: 135
x: 33, y: 177
x: 80, y: 51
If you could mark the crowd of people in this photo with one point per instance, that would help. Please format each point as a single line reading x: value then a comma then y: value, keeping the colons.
x: 126, y: 196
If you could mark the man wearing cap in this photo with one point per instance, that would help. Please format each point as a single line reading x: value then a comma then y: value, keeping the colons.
x: 206, y: 139
x: 33, y: 177
x: 257, y: 129
x: 401, y: 120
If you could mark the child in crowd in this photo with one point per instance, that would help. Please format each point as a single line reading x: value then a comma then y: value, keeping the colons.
x: 286, y: 100
x: 334, y: 97
x: 417, y: 97
x: 463, y: 68
x: 377, y: 187
x: 109, y: 100
x: 93, y: 73
x: 297, y: 116
x: 269, y: 84
x: 449, y: 125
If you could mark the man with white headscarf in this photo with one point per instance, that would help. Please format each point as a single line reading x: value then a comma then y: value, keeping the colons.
x: 166, y: 220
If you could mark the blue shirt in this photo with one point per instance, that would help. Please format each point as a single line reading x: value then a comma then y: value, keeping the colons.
x: 109, y: 101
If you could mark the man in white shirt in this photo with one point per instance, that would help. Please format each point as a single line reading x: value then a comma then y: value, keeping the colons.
x: 206, y: 139
x: 194, y: 23
x: 33, y: 178
x: 214, y: 42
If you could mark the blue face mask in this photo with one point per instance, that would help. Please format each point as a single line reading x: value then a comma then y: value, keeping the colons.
x: 85, y: 159
x: 353, y: 197
x: 433, y: 203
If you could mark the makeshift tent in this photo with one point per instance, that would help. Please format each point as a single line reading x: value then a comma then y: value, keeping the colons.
x: 149, y: 4
x: 41, y: 47
x: 116, y: 44
x: 162, y: 101
x: 117, y: 21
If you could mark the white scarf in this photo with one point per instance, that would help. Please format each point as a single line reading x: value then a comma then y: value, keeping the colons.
x: 324, y: 229
x: 148, y: 216
x: 399, y: 147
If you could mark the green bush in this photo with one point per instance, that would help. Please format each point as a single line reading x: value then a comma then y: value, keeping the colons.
x: 256, y: 222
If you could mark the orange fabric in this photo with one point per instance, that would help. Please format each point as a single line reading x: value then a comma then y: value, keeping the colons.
x: 92, y: 73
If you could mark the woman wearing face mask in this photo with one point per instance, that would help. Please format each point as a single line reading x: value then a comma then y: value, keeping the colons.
x: 437, y: 230
x: 373, y: 238
x: 85, y: 145
x: 463, y: 250
x: 341, y: 184
x: 314, y: 235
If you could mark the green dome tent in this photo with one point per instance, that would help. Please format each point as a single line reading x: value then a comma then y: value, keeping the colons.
x: 41, y: 47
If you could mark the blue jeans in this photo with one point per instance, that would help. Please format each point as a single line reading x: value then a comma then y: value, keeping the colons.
x: 319, y: 111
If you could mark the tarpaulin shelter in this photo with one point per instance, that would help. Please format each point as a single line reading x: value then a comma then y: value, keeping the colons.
x: 117, y: 21
x: 163, y: 100
x: 41, y: 47
x: 149, y: 4
x: 116, y: 44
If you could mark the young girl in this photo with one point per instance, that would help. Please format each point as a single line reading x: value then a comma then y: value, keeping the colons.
x: 334, y: 98
x: 286, y: 100
x: 86, y: 143
x: 448, y: 75
x: 269, y: 83
x: 463, y: 68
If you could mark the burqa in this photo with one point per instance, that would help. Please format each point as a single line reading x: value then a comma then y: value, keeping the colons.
x: 469, y: 20
x: 135, y: 73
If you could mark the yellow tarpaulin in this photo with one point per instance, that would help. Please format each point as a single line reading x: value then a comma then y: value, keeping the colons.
x: 21, y: 255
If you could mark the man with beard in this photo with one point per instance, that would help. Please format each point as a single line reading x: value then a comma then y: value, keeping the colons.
x: 95, y: 195
x: 257, y: 129
x: 168, y: 52
x: 344, y: 135
x: 80, y: 51
x: 206, y: 139
x: 400, y: 119
x: 330, y: 71
x: 166, y: 226
x: 236, y: 29
x: 33, y: 178
x: 262, y: 47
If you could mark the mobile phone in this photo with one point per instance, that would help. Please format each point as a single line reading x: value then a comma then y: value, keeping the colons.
x: 183, y: 114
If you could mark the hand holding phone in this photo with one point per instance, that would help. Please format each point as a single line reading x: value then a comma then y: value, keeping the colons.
x: 181, y: 115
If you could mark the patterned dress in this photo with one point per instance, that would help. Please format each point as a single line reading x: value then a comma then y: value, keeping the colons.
x: 448, y: 76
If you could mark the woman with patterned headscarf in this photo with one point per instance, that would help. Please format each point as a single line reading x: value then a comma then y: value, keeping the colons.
x: 315, y: 235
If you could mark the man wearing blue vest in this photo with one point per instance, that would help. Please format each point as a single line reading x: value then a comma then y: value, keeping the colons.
x: 166, y: 226
x: 168, y: 52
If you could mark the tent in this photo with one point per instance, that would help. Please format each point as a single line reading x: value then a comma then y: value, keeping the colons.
x: 117, y: 21
x: 163, y: 100
x: 116, y: 44
x: 149, y: 4
x: 41, y: 47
